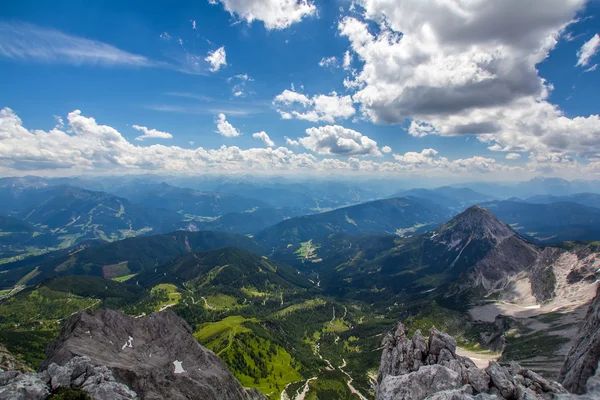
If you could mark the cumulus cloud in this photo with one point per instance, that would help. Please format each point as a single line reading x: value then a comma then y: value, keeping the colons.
x: 291, y: 142
x: 588, y: 50
x: 428, y: 159
x: 151, y: 133
x: 217, y: 59
x: 225, y: 128
x: 275, y: 14
x: 337, y: 140
x: 386, y: 149
x: 513, y: 156
x: 264, y: 137
x: 466, y: 67
x: 86, y: 146
x: 327, y: 108
x: 328, y: 62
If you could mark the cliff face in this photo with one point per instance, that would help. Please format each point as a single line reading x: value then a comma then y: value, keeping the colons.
x: 415, y: 369
x: 114, y: 356
x: 583, y: 358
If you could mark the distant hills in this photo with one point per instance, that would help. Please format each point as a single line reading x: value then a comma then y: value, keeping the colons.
x: 447, y: 196
x: 549, y: 222
x: 188, y: 202
x: 120, y: 258
x: 394, y: 216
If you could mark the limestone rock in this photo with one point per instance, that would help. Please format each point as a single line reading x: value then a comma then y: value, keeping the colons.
x: 412, y: 369
x: 582, y: 361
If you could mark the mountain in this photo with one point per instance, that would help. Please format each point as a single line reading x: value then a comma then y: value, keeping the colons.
x: 303, y: 198
x: 248, y: 222
x: 474, y: 240
x: 586, y: 199
x: 13, y: 225
x: 61, y: 216
x: 419, y: 369
x: 121, y: 258
x: 153, y: 357
x: 554, y: 222
x: 447, y: 196
x: 397, y: 215
x: 228, y: 268
x: 188, y: 202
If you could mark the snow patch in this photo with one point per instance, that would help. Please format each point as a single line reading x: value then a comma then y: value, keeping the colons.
x: 128, y: 343
x: 178, y: 367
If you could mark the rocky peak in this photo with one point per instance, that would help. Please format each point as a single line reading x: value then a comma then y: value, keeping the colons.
x: 475, y: 223
x: 155, y: 357
x: 415, y: 369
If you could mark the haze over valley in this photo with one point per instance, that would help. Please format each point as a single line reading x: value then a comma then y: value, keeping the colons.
x: 300, y: 200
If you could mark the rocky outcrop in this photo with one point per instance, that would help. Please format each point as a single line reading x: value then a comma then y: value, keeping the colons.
x: 9, y: 362
x: 78, y: 373
x: 156, y: 356
x: 415, y: 369
x: 583, y: 358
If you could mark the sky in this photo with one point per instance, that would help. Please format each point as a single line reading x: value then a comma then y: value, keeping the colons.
x: 456, y: 89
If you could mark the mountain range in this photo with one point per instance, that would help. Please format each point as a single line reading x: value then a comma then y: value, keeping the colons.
x: 297, y: 303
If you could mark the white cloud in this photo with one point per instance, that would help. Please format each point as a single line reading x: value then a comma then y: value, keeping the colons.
x: 264, y: 137
x: 426, y: 156
x: 386, y: 149
x: 86, y: 147
x: 588, y: 50
x: 592, y: 68
x: 329, y: 62
x: 513, y: 156
x: 151, y: 133
x: 466, y: 67
x: 337, y: 140
x: 165, y: 36
x: 216, y: 59
x: 327, y: 108
x: 225, y: 128
x: 239, y: 82
x: 347, y: 60
x: 23, y: 41
x: 275, y: 14
x: 193, y: 24
x: 291, y: 142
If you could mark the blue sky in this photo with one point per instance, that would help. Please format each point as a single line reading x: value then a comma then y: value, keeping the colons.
x: 435, y: 84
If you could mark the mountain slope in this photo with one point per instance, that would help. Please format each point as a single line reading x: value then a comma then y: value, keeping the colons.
x: 159, y: 358
x: 188, y: 201
x: 397, y: 215
x: 245, y: 222
x: 447, y: 196
x: 124, y: 257
x: 554, y: 222
x: 586, y: 199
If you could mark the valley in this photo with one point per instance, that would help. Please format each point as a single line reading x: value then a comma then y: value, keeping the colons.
x: 298, y: 309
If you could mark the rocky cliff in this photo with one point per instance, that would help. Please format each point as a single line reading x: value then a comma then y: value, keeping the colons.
x: 114, y: 356
x: 583, y: 358
x: 414, y: 369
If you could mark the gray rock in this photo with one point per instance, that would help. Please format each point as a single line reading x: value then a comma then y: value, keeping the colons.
x: 156, y: 356
x: 502, y: 380
x: 444, y: 375
x: 77, y: 373
x: 25, y: 387
x: 583, y: 357
x: 418, y: 385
